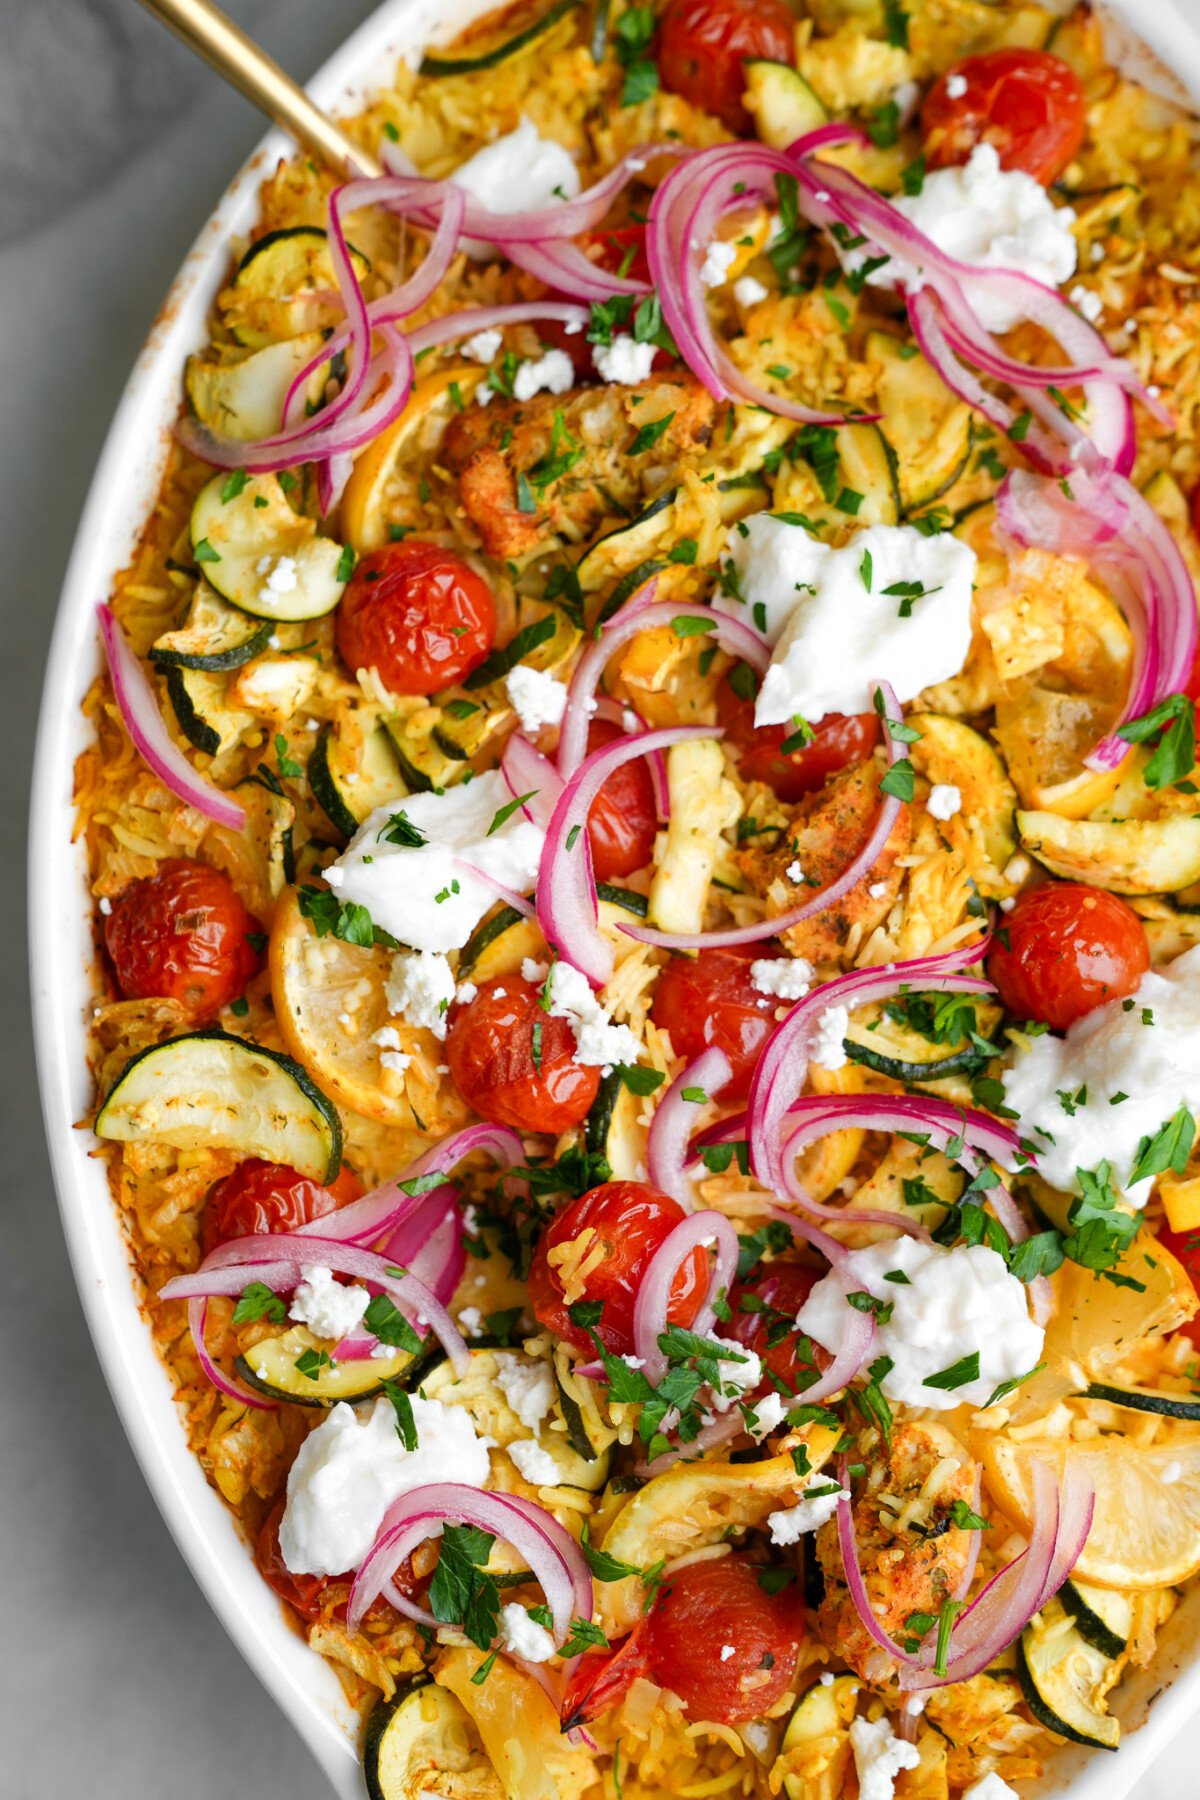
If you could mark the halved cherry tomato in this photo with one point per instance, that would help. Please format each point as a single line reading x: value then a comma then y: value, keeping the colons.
x: 182, y: 934
x: 840, y: 739
x: 602, y: 1678
x: 624, y: 819
x: 629, y: 1220
x: 417, y: 613
x: 1027, y: 103
x: 710, y: 999
x: 702, y: 45
x: 513, y: 1063
x: 1186, y: 1246
x: 707, y: 1609
x: 1065, y: 949
x: 266, y: 1196
x: 307, y: 1593
x: 775, y: 1293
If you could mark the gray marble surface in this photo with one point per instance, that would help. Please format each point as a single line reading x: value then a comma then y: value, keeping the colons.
x: 116, y: 1678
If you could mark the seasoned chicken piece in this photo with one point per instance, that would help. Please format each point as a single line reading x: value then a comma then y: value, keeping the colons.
x: 827, y: 830
x: 912, y: 1555
x: 575, y: 453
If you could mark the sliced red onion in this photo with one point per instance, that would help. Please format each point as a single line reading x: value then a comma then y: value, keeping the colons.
x: 724, y: 1427
x: 859, y: 1338
x: 671, y: 1127
x: 436, y: 1257
x: 388, y: 1206
x: 510, y: 896
x: 450, y: 327
x: 528, y: 772
x: 565, y: 269
x: 654, y: 1290
x: 143, y: 720
x: 197, y: 1313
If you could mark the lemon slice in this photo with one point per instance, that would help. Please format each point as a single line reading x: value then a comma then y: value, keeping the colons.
x: 1146, y: 1530
x: 384, y: 486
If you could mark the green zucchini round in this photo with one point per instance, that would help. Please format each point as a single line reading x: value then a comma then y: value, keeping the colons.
x: 1060, y: 1674
x: 423, y: 1730
x: 1167, y: 1406
x: 491, y: 59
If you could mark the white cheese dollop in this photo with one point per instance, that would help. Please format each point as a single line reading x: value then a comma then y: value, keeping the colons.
x: 954, y: 1302
x: 523, y: 1635
x: 519, y: 172
x: 539, y: 697
x: 791, y: 1523
x: 879, y: 1756
x: 420, y: 987
x: 1146, y: 1048
x: 992, y: 218
x: 400, y: 887
x: 329, y: 1309
x: 350, y: 1469
x: 624, y: 360
x: 598, y: 1042
x: 836, y: 636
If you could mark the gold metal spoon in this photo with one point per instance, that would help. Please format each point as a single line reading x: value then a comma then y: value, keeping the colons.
x: 227, y: 49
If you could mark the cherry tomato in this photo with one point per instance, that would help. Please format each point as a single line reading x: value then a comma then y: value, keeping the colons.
x: 841, y: 739
x: 630, y: 1220
x: 417, y: 613
x: 1186, y: 1246
x: 703, y: 1609
x: 1069, y: 948
x: 624, y: 819
x: 776, y: 1292
x: 303, y: 1592
x: 621, y: 250
x: 513, y: 1063
x: 182, y: 934
x: 602, y: 1678
x: 702, y: 45
x: 1191, y: 686
x: 708, y: 999
x: 265, y: 1196
x: 1027, y: 103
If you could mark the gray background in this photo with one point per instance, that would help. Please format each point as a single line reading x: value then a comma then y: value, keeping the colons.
x: 116, y: 1679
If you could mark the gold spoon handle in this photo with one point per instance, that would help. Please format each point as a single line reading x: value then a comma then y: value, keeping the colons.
x: 227, y: 49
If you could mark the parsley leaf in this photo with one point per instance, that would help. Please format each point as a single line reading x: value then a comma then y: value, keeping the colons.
x: 258, y: 1302
x: 1173, y: 724
x: 460, y: 1592
x: 344, y: 919
x: 406, y: 1425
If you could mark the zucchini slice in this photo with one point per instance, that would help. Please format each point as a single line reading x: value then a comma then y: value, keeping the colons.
x: 820, y: 1727
x: 210, y: 1090
x: 215, y: 637
x: 930, y: 430
x: 270, y: 1367
x: 781, y: 103
x: 1103, y: 1616
x: 348, y: 784
x: 479, y: 1391
x: 1127, y: 856
x: 499, y: 945
x: 201, y: 705
x: 422, y: 1732
x: 1167, y: 1406
x: 889, y: 1048
x: 253, y: 538
x: 497, y: 53
x: 245, y: 399
x: 612, y: 1130
x: 624, y: 550
x: 285, y: 287
x: 1064, y: 1680
x: 434, y: 759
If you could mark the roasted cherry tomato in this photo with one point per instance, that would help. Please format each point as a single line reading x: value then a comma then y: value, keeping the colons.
x: 1027, y: 103
x: 265, y: 1196
x: 624, y: 819
x: 307, y: 1593
x: 702, y: 1611
x: 1191, y: 686
x: 513, y: 1063
x: 1186, y: 1246
x: 710, y: 999
x: 417, y: 613
x: 1064, y: 949
x: 775, y: 1294
x: 702, y: 45
x: 182, y: 934
x: 602, y: 1678
x: 629, y: 1219
x: 841, y: 739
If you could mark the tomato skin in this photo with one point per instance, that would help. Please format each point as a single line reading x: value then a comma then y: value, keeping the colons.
x: 623, y: 821
x: 1186, y: 1246
x: 1029, y: 104
x: 182, y: 934
x: 417, y: 613
x: 489, y: 1047
x: 631, y: 1219
x: 264, y: 1196
x: 702, y: 45
x: 602, y: 1678
x: 306, y: 1593
x: 708, y: 999
x: 841, y: 739
x: 784, y: 1287
x: 707, y: 1606
x: 1070, y: 948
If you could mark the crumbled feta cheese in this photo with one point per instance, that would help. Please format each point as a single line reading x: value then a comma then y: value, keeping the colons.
x: 350, y: 1469
x: 1146, y: 1047
x: 398, y: 1061
x: 533, y: 1464
x: 634, y: 1362
x: 519, y: 171
x: 769, y: 1414
x: 992, y: 218
x: 523, y: 1635
x: 990, y: 1787
x: 539, y: 697
x: 465, y: 992
x: 482, y: 347
x: 835, y: 629
x: 748, y: 291
x: 598, y: 1042
x: 828, y: 1051
x: 954, y: 1303
x: 554, y: 372
x: 906, y: 98
x: 624, y: 360
x: 105, y: 905
x: 944, y: 800
x: 280, y: 572
x: 386, y: 1038
x: 428, y: 897
x: 532, y: 970
x: 786, y: 977
x: 727, y: 1650
x: 879, y: 1756
x: 470, y: 1321
x: 737, y: 1374
x: 791, y: 1523
x: 877, y: 890
x: 329, y: 1309
x: 420, y: 986
x: 719, y: 258
x: 527, y: 1384
x: 757, y: 1734
x: 1088, y: 302
x: 956, y: 86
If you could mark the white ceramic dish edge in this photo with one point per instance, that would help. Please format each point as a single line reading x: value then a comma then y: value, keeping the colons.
x: 122, y: 491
